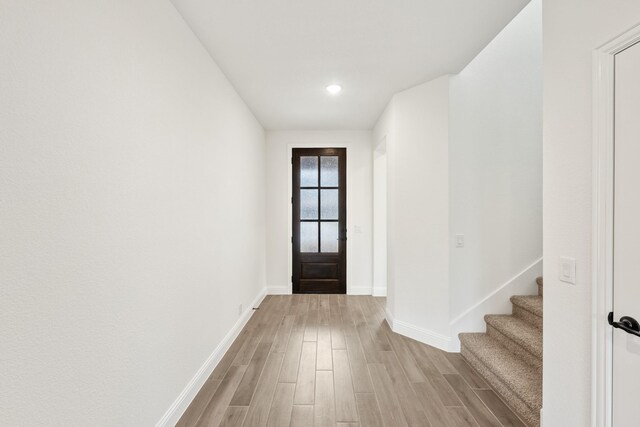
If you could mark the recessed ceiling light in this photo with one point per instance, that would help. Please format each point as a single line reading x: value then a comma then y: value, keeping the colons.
x: 334, y: 89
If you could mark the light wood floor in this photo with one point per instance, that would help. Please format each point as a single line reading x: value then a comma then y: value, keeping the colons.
x: 332, y: 360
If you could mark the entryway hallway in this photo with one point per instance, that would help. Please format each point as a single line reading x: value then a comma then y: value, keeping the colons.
x: 332, y: 360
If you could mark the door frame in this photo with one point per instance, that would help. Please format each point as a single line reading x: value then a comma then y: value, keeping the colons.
x: 299, y: 257
x: 602, y: 227
x: 350, y: 230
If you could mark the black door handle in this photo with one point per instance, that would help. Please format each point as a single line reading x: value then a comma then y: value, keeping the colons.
x: 627, y: 324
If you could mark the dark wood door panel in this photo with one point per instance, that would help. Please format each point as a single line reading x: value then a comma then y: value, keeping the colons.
x: 320, y: 286
x: 319, y: 220
x: 320, y: 270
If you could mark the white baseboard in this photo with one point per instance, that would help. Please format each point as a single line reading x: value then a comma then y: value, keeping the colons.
x: 389, y: 317
x: 379, y: 291
x: 358, y: 290
x: 279, y: 290
x: 177, y: 408
x: 425, y: 336
x: 497, y: 302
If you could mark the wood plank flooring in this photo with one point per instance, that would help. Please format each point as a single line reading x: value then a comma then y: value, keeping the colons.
x: 332, y: 360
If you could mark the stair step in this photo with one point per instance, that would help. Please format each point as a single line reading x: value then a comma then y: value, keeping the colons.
x: 540, y: 283
x: 528, y: 308
x: 531, y: 303
x: 519, y: 383
x: 522, y: 338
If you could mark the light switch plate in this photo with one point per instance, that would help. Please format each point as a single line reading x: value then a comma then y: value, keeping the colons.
x: 459, y: 240
x: 567, y: 270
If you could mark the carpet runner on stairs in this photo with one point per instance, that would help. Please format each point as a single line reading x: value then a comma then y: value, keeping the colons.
x: 509, y: 355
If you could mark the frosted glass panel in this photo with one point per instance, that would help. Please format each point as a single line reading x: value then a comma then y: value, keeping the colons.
x: 329, y: 236
x: 308, y: 171
x: 308, y: 204
x: 329, y: 171
x: 329, y: 204
x: 308, y: 237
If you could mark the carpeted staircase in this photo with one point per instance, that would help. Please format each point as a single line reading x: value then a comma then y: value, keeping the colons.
x: 509, y: 355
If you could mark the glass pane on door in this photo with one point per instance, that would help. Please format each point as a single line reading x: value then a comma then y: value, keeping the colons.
x: 329, y: 204
x: 308, y: 237
x: 308, y: 204
x: 308, y: 171
x: 329, y: 237
x: 329, y: 171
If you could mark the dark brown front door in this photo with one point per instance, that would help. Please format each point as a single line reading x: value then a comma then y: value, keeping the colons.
x: 319, y: 220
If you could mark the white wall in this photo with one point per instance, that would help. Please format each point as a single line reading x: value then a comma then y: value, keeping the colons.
x: 572, y: 30
x: 359, y: 205
x: 418, y: 201
x: 125, y: 251
x: 495, y: 164
x: 380, y: 218
x: 384, y: 133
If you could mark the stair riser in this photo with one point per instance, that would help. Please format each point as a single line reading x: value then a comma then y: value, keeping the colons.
x: 531, y: 417
x: 514, y: 347
x: 527, y: 316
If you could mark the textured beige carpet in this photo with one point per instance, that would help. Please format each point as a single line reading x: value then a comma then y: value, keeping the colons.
x: 509, y: 355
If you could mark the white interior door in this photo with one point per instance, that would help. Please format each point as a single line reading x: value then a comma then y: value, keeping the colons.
x: 626, y: 264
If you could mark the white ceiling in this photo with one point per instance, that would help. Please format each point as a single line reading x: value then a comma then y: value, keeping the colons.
x: 281, y: 54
